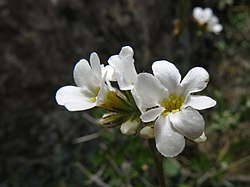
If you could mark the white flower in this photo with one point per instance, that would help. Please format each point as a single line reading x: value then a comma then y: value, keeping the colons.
x: 90, y: 89
x: 213, y: 25
x: 206, y: 17
x: 202, y: 15
x: 124, y: 69
x: 171, y: 102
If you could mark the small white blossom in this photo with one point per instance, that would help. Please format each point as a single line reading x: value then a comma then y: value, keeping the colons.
x: 213, y: 25
x: 204, y: 17
x: 124, y: 69
x: 171, y: 102
x: 90, y: 86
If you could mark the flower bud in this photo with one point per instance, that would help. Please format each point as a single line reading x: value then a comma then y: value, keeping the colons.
x: 130, y: 127
x: 111, y: 119
x: 147, y: 132
x: 200, y: 139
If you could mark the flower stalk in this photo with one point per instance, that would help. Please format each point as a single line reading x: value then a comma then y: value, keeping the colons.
x: 158, y: 161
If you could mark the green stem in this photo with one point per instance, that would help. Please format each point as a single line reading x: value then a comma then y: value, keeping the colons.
x: 158, y: 163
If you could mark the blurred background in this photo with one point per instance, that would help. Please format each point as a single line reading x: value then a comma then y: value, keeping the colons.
x: 42, y: 144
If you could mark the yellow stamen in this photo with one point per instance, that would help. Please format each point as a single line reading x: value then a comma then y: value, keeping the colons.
x: 93, y: 99
x: 173, y: 104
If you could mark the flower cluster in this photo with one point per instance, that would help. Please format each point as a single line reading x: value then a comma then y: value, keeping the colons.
x: 158, y: 105
x: 205, y: 19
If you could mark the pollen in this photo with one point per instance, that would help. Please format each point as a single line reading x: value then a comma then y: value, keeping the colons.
x: 173, y: 104
x: 93, y: 99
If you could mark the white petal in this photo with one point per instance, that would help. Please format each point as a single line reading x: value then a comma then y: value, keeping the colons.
x: 103, y: 92
x: 202, y: 15
x: 188, y: 122
x: 199, y: 102
x: 213, y: 25
x: 126, y: 74
x: 138, y: 101
x: 95, y: 66
x: 168, y: 74
x: 74, y: 98
x: 195, y: 81
x: 169, y: 142
x: 123, y: 65
x: 110, y: 73
x: 150, y: 90
x: 125, y: 51
x: 80, y: 106
x: 201, y: 139
x: 197, y: 12
x: 152, y: 114
x: 208, y: 13
x: 82, y: 73
x: 216, y: 28
x: 213, y: 20
x: 102, y: 95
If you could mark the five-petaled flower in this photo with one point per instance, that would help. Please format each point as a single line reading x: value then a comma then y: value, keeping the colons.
x: 90, y: 89
x: 170, y: 101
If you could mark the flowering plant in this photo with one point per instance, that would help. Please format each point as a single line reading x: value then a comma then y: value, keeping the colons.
x: 157, y: 105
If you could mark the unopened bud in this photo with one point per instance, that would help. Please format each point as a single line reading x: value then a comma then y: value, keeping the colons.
x: 200, y: 139
x: 147, y: 132
x: 111, y: 119
x: 130, y: 127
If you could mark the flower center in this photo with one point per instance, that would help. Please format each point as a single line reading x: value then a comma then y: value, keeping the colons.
x: 173, y: 104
